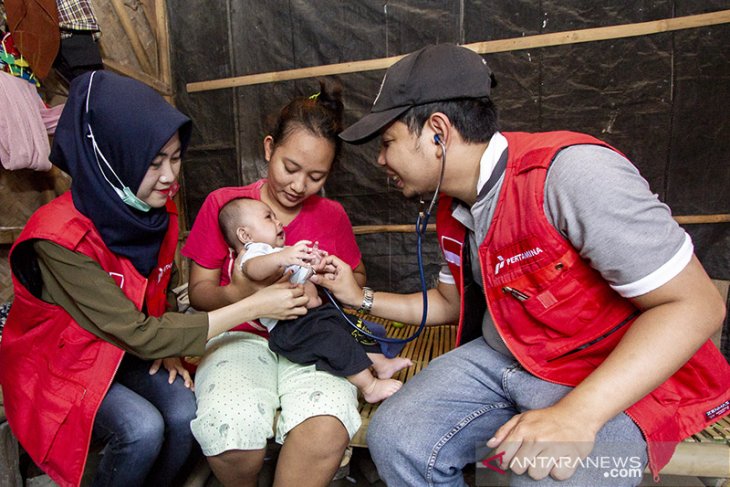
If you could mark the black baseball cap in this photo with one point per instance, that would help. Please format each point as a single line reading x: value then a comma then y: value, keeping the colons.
x: 435, y: 73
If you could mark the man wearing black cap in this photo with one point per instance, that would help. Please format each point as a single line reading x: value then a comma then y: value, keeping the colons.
x: 595, y: 341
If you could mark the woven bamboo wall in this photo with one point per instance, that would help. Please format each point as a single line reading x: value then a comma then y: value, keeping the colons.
x: 21, y: 192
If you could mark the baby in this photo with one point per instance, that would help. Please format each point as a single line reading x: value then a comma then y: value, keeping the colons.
x: 322, y: 337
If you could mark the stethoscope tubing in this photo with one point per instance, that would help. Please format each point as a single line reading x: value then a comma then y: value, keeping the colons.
x: 421, y: 225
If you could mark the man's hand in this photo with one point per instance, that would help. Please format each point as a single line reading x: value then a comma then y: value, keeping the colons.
x: 336, y: 276
x: 544, y: 442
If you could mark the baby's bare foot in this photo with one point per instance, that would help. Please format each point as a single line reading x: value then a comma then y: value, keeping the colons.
x: 381, y: 389
x: 385, y: 369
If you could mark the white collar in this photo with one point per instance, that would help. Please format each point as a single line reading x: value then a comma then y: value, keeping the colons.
x: 497, y: 145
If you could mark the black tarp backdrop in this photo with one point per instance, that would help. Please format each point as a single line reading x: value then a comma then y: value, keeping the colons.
x: 662, y: 99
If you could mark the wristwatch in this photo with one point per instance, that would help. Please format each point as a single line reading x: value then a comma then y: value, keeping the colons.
x: 367, y: 300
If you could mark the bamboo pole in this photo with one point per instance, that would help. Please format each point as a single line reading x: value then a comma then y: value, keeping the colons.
x: 163, y: 42
x: 291, y: 74
x: 162, y: 88
x: 137, y: 47
x: 149, y: 12
x: 8, y: 234
x: 694, y: 219
x: 602, y: 33
x: 501, y: 45
x: 681, y: 219
x: 368, y: 229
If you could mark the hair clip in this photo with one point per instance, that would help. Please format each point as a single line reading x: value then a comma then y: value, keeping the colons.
x: 315, y: 96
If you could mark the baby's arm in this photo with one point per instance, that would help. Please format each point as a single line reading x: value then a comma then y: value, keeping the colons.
x: 262, y: 267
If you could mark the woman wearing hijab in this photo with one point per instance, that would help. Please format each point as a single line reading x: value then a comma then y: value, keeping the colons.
x: 91, y: 273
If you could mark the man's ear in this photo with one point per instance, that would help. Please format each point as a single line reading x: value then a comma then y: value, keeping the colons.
x: 243, y: 236
x: 440, y: 125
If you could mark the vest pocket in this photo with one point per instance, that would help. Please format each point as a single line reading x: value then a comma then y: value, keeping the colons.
x: 561, y: 307
x: 60, y: 399
x: 77, y: 350
x: 594, y: 341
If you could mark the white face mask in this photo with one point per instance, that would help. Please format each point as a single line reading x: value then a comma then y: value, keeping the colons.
x: 125, y: 194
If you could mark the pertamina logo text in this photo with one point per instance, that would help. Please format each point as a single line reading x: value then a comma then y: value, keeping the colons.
x: 162, y: 270
x: 527, y: 254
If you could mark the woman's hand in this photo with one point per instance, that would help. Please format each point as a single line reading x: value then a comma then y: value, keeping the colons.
x: 281, y: 301
x: 336, y: 276
x: 174, y: 367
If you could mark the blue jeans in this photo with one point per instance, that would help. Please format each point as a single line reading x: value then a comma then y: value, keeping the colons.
x: 145, y: 424
x: 430, y: 429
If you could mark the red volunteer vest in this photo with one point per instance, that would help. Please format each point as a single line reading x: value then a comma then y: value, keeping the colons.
x: 557, y: 315
x: 53, y: 372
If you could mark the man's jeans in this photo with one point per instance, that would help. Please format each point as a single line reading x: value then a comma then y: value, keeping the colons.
x: 430, y: 429
x: 145, y: 424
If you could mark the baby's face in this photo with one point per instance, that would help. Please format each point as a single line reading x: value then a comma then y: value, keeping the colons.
x: 263, y: 226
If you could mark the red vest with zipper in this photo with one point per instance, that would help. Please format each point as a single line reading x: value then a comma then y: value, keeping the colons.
x: 53, y: 372
x: 557, y: 315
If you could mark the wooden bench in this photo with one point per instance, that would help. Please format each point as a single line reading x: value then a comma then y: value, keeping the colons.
x: 706, y: 454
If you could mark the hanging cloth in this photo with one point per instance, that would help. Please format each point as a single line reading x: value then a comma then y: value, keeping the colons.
x: 34, y: 25
x: 25, y: 122
x: 78, y: 54
x: 79, y: 51
x: 76, y: 15
x: 12, y: 62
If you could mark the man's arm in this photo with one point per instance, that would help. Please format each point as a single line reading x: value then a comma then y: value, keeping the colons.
x: 443, y: 301
x: 443, y: 305
x: 360, y: 274
x: 676, y: 319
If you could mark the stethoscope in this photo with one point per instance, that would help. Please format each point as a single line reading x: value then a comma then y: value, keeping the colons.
x: 421, y: 226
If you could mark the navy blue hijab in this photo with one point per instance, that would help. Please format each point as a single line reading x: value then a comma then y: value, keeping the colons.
x: 130, y: 123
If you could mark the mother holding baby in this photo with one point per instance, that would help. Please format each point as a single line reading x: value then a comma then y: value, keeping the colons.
x: 240, y: 383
